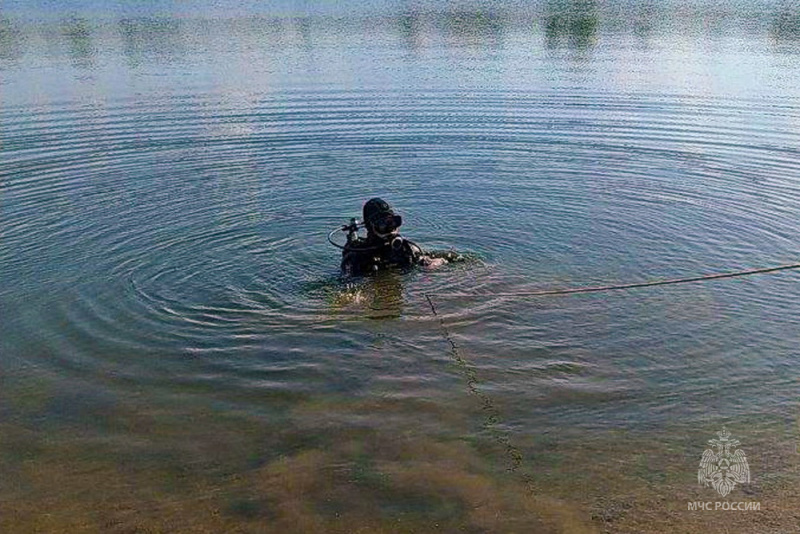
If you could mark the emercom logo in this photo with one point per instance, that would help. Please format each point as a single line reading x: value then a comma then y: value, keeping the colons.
x: 723, y: 466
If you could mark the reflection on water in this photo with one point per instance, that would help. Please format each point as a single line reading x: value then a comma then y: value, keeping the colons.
x: 78, y: 33
x: 473, y: 45
x: 571, y: 23
x: 563, y: 23
x: 479, y: 28
x: 786, y: 26
x: 152, y: 40
x: 12, y: 40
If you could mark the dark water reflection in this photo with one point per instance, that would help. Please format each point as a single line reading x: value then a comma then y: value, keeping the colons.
x: 12, y: 41
x: 77, y: 31
x: 786, y: 26
x: 572, y: 24
x: 294, y: 51
x: 176, y: 344
x: 152, y: 40
x: 564, y: 23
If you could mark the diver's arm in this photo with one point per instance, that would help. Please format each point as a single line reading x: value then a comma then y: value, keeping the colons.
x: 431, y: 263
x: 433, y: 258
x: 352, y: 264
x: 446, y: 255
x: 359, y: 262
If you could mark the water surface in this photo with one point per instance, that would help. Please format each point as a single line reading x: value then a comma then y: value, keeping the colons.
x: 172, y: 311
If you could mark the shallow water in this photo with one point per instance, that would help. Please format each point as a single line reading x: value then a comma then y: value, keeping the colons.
x: 171, y: 304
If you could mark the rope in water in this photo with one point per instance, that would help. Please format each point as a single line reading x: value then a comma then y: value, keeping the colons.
x: 597, y: 289
x: 493, y: 416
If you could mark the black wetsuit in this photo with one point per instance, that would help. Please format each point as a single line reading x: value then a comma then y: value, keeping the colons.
x: 364, y: 256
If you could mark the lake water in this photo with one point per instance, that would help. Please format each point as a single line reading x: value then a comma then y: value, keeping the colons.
x: 178, y: 354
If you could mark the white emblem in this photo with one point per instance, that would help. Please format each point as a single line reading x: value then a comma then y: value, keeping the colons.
x: 722, y: 468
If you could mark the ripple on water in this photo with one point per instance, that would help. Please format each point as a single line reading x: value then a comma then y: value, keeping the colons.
x: 197, y: 226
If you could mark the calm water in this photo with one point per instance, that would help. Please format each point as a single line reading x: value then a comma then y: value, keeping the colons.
x: 173, y: 328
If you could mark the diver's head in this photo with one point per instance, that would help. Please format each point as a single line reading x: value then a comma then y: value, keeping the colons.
x: 380, y: 219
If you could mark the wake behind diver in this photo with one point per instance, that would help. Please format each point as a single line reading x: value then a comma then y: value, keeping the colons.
x: 383, y: 247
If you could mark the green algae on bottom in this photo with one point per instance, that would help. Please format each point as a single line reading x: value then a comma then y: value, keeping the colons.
x: 333, y: 463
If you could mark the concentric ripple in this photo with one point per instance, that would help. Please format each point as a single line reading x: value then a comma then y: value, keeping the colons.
x: 192, y: 230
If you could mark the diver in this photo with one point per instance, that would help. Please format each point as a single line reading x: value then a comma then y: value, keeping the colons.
x: 384, y: 246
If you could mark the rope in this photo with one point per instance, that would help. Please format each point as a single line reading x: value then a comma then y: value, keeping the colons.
x: 638, y: 284
x: 493, y: 418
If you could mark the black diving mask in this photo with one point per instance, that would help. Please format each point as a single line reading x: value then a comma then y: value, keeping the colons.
x: 386, y: 224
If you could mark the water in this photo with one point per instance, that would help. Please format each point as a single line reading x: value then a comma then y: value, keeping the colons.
x: 174, y: 330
